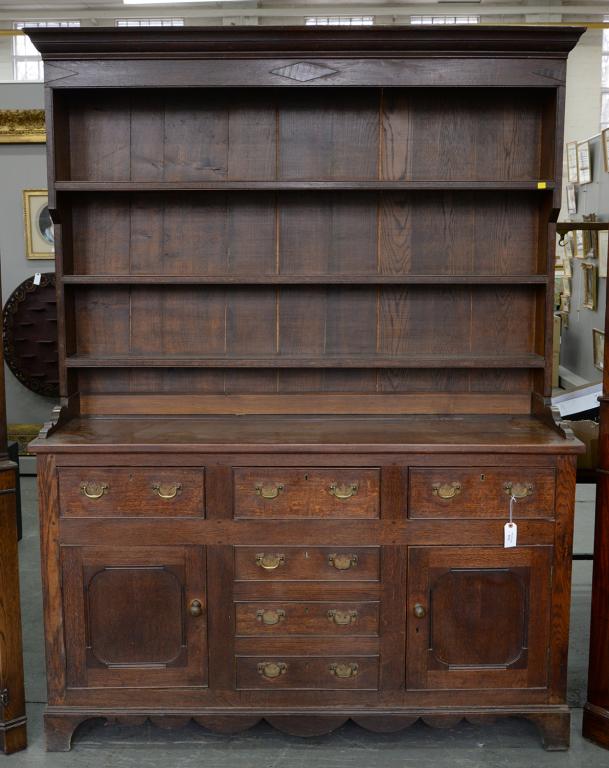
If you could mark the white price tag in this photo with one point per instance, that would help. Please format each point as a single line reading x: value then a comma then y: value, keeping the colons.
x: 37, y: 278
x: 510, y: 530
x: 510, y: 534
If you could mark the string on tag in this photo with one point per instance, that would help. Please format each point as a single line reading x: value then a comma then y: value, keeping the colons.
x: 513, y: 501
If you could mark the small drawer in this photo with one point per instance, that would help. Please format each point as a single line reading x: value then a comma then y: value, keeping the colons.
x: 131, y: 492
x: 445, y: 492
x: 335, y: 618
x: 324, y: 673
x: 277, y: 563
x: 285, y: 492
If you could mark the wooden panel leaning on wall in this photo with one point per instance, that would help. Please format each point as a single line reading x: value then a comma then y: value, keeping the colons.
x: 13, y: 728
x: 305, y: 341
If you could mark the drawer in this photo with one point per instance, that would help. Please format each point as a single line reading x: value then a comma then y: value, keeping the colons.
x: 480, y: 493
x: 276, y: 563
x: 284, y: 492
x: 131, y: 492
x: 323, y: 673
x: 336, y: 618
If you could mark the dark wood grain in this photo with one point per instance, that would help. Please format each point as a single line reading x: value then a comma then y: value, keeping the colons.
x: 304, y: 276
x: 13, y: 729
x: 480, y: 492
x: 302, y: 493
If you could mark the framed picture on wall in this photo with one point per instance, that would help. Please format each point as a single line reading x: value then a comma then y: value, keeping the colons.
x: 598, y: 349
x: 567, y: 268
x: 605, y: 145
x: 589, y: 286
x: 39, y: 235
x: 580, y: 248
x: 22, y: 126
x: 584, y: 167
x: 571, y: 200
x: 590, y: 238
x: 572, y: 175
x: 603, y: 252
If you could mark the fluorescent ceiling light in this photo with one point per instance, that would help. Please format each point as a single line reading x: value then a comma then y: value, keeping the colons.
x: 175, y: 2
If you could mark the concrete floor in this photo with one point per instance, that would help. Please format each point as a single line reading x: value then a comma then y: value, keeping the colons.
x: 508, y: 743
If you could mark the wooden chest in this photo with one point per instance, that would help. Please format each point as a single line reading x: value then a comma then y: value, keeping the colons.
x: 306, y: 584
x: 305, y: 309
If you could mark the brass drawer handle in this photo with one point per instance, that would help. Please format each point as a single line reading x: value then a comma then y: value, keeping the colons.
x: 269, y: 618
x: 94, y: 490
x: 342, y: 618
x: 342, y: 562
x: 446, y: 490
x: 167, y: 490
x: 419, y: 611
x: 518, y: 490
x: 272, y: 669
x: 269, y: 561
x: 269, y: 491
x: 343, y: 491
x: 344, y: 670
x: 196, y: 608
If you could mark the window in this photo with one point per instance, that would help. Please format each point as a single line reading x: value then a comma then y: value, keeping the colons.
x: 150, y: 22
x: 339, y: 21
x: 27, y: 64
x: 605, y: 80
x: 445, y: 19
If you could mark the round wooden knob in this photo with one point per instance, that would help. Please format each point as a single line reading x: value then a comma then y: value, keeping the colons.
x: 419, y: 611
x: 196, y: 609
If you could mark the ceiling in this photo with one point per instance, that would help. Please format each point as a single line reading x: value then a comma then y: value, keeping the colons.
x: 101, y: 11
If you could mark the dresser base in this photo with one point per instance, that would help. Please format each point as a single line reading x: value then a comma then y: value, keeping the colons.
x: 553, y: 722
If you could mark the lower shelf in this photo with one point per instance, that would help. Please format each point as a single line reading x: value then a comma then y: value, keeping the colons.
x: 524, y: 360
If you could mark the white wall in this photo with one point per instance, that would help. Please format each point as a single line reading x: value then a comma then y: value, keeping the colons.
x: 582, y: 121
x: 22, y: 166
x: 583, y: 94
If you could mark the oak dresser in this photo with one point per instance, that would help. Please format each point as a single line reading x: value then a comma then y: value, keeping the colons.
x: 305, y: 291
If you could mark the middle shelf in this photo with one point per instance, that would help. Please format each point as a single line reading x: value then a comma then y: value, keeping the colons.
x: 287, y: 279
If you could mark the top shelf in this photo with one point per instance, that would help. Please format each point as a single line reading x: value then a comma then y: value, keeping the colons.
x: 169, y: 186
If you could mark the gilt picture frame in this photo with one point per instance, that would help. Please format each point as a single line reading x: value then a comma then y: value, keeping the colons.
x: 22, y: 126
x: 598, y: 349
x: 572, y: 174
x: 580, y: 244
x: 584, y: 165
x: 603, y: 252
x: 39, y: 233
x: 589, y: 286
x: 571, y: 200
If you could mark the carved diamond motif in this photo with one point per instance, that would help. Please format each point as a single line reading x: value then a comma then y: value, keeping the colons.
x: 303, y: 71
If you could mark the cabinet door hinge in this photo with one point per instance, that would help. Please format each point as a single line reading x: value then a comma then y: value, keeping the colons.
x: 4, y: 697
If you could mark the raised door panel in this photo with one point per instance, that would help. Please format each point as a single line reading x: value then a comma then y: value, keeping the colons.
x: 135, y: 617
x: 478, y: 617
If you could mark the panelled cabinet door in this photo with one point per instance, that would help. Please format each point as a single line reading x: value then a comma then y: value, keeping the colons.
x: 478, y: 617
x: 135, y: 617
